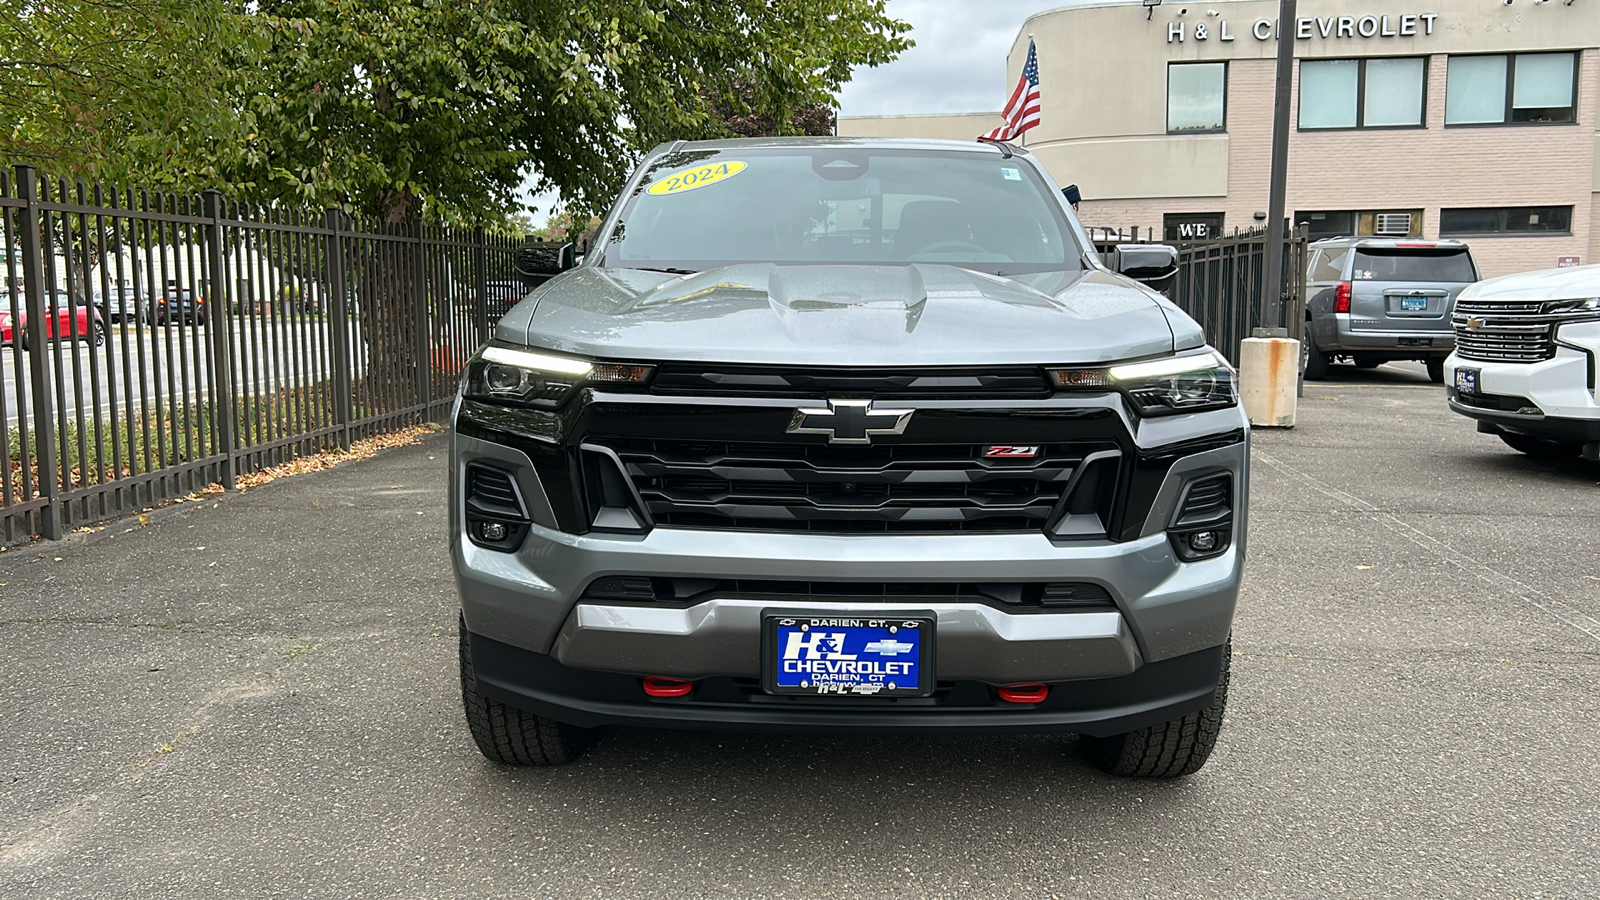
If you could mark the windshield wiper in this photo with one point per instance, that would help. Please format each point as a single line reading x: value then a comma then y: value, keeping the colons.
x: 667, y: 269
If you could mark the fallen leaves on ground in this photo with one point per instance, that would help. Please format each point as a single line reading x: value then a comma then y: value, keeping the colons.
x: 364, y: 449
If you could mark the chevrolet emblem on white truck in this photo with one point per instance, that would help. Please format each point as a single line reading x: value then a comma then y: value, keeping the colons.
x: 849, y: 421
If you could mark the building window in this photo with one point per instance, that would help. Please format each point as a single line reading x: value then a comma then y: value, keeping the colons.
x: 1192, y: 226
x: 1327, y: 223
x: 1516, y: 220
x: 1362, y: 93
x: 1522, y: 87
x: 1196, y: 97
x: 1360, y: 222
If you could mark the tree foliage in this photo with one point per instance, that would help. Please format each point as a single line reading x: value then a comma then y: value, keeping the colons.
x: 399, y: 108
x: 136, y: 89
x: 746, y: 119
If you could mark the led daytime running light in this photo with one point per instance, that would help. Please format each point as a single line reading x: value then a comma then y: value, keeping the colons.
x: 1156, y: 368
x: 538, y: 362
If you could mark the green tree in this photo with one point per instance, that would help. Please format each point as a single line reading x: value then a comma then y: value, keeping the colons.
x: 136, y: 90
x: 401, y: 107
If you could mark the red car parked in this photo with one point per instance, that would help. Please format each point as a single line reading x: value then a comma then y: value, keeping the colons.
x: 89, y: 326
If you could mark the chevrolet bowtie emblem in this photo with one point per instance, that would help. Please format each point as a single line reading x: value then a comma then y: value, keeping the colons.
x: 849, y: 421
x: 1474, y: 323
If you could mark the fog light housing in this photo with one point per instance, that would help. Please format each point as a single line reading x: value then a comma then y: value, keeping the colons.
x: 493, y: 531
x: 1203, y: 541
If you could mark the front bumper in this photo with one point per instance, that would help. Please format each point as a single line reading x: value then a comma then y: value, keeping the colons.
x: 1554, y: 399
x: 1154, y: 693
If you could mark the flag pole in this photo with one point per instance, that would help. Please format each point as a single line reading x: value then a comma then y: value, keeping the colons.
x: 1024, y: 135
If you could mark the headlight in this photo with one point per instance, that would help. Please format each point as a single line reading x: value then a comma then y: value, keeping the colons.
x: 1577, y: 309
x: 1159, y: 387
x: 545, y: 380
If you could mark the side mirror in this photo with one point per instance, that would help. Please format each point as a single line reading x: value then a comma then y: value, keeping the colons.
x: 1155, y: 265
x: 537, y: 262
x: 1072, y: 194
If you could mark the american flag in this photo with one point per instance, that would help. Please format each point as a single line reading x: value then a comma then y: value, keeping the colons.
x: 1022, y: 110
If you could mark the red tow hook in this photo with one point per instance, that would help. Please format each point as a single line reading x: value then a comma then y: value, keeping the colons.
x: 662, y: 686
x: 1025, y: 693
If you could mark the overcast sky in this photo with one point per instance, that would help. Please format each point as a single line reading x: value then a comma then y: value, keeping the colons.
x: 958, y: 64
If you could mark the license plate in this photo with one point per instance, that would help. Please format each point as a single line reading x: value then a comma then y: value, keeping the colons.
x: 883, y: 655
x: 1467, y: 381
x: 1413, y: 303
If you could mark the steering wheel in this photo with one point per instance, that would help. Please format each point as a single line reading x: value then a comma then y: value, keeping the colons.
x: 951, y: 246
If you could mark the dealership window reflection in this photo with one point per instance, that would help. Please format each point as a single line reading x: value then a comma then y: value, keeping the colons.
x: 1516, y: 88
x: 1381, y: 92
x: 1196, y: 97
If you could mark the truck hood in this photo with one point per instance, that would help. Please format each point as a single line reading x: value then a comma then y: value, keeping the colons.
x: 1571, y: 283
x: 921, y: 314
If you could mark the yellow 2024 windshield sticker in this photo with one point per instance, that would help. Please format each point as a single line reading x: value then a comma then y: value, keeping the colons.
x: 697, y: 177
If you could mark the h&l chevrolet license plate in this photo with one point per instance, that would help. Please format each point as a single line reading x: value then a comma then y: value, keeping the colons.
x: 1466, y: 381
x: 887, y: 654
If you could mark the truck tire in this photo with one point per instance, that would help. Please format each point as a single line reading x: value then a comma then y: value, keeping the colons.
x: 1168, y: 750
x: 1436, y: 369
x: 1316, y: 367
x: 509, y: 735
x: 1539, y: 448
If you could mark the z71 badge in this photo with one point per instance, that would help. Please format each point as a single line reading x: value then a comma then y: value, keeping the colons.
x: 1011, y: 451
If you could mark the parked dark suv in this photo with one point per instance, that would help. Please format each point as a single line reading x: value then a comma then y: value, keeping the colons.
x: 841, y: 434
x: 1372, y: 300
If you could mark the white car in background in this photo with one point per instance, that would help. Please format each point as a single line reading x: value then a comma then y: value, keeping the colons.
x: 1525, y: 362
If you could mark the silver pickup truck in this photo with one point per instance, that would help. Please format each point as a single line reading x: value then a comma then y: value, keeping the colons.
x: 831, y: 434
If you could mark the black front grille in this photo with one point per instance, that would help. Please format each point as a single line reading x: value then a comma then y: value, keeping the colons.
x: 1504, y: 332
x: 724, y: 380
x: 899, y: 488
x: 1055, y: 594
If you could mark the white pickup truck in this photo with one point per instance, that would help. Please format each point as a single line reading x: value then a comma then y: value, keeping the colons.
x: 1525, y: 360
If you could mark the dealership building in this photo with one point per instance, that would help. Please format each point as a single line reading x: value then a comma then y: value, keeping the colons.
x: 1467, y: 119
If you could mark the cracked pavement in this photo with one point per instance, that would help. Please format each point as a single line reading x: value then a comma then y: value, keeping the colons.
x: 257, y: 698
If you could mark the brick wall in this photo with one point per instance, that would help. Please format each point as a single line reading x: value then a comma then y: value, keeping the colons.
x: 1428, y: 168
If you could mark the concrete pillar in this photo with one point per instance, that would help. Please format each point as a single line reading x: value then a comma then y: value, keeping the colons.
x: 1269, y: 369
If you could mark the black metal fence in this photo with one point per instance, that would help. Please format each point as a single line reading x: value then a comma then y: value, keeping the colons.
x: 154, y: 344
x: 1220, y: 281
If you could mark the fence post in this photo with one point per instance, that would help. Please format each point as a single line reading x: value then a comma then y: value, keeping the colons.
x: 339, y: 325
x: 480, y: 262
x: 419, y: 281
x: 224, y: 414
x: 34, y: 290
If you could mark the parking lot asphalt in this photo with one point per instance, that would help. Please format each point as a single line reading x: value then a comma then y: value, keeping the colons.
x: 257, y: 698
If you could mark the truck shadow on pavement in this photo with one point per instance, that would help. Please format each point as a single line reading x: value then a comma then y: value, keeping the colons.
x: 795, y: 790
x: 1388, y: 373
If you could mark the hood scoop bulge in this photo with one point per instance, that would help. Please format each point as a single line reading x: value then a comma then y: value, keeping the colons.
x: 866, y: 305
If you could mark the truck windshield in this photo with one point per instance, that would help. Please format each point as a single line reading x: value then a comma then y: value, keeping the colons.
x: 842, y: 205
x: 1382, y: 264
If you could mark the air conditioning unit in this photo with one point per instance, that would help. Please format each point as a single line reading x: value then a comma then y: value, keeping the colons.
x: 1397, y: 224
